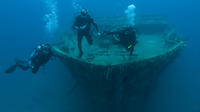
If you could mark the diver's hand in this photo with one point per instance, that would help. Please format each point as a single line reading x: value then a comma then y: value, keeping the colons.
x: 76, y: 28
x: 99, y: 34
x: 83, y: 27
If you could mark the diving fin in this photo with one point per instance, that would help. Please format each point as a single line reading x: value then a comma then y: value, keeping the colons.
x: 11, y: 69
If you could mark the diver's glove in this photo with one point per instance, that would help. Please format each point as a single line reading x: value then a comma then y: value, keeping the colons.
x: 99, y: 34
x: 83, y: 27
x: 76, y: 28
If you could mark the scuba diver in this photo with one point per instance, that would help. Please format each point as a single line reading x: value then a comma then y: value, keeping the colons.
x: 126, y: 37
x: 39, y: 57
x: 83, y: 25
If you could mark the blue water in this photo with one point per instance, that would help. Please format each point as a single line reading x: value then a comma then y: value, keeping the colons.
x: 22, y: 27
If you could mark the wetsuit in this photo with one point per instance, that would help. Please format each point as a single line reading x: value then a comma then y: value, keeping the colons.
x: 83, y: 25
x: 39, y: 57
x: 126, y: 36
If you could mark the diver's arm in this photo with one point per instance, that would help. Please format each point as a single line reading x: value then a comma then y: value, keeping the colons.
x: 75, y: 25
x: 95, y: 25
x: 106, y: 33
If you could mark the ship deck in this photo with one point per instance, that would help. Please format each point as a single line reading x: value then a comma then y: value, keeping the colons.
x: 155, y: 38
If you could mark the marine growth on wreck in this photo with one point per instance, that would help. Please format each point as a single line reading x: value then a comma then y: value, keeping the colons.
x: 114, y: 80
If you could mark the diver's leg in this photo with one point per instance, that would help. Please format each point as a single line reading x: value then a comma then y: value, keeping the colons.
x: 22, y: 64
x: 11, y: 69
x: 131, y: 50
x: 89, y: 38
x: 80, y: 36
x: 24, y: 67
x: 133, y: 47
x: 18, y: 63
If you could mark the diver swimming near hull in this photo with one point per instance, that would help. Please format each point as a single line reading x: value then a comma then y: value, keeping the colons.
x: 39, y: 57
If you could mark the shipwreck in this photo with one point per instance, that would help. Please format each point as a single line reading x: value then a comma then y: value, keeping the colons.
x: 113, y: 80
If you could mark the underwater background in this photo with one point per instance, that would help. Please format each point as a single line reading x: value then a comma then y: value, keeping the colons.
x: 26, y: 23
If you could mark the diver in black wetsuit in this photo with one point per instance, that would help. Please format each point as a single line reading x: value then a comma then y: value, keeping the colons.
x: 39, y: 57
x: 125, y: 37
x: 83, y: 25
